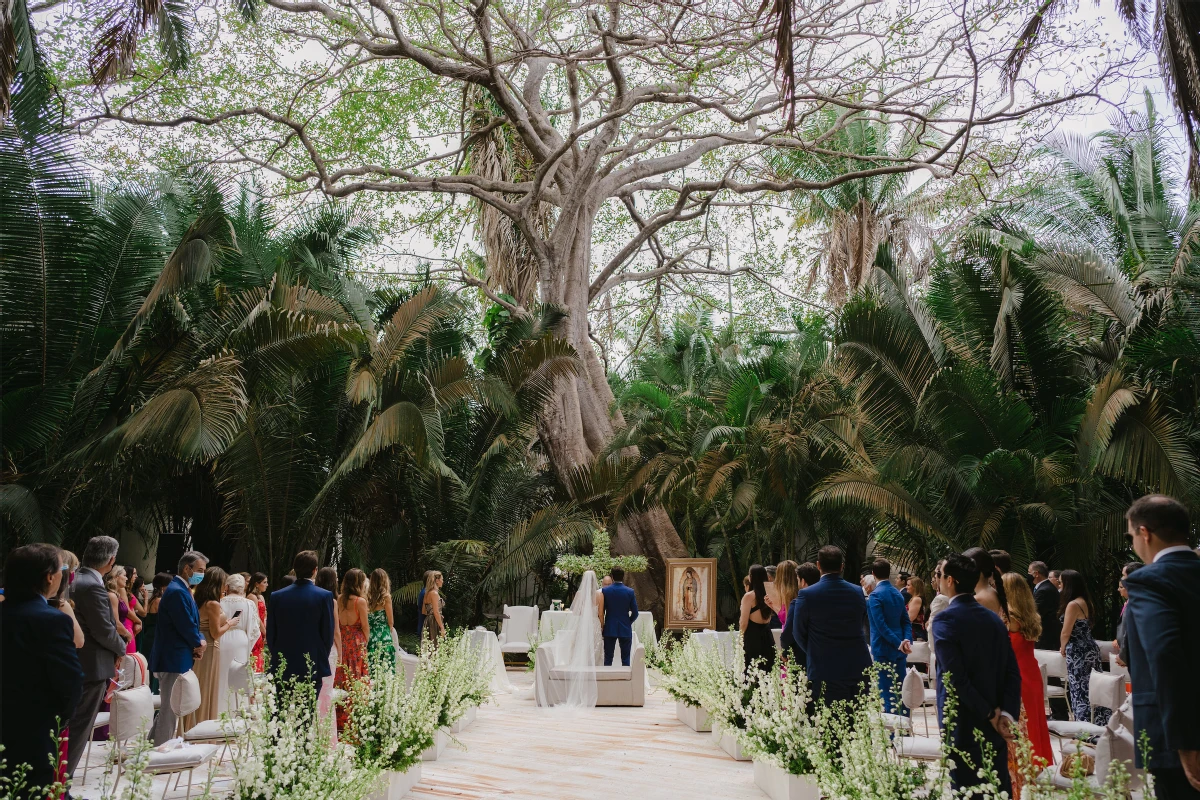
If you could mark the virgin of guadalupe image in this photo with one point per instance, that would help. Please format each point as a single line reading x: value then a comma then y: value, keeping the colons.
x: 689, y: 594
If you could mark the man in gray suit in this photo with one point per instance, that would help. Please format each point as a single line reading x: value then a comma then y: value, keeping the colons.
x: 103, y: 646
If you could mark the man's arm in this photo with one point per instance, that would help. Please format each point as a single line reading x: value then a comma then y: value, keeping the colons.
x: 633, y: 609
x: 799, y: 621
x: 951, y: 662
x: 327, y: 626
x: 63, y: 672
x: 95, y: 614
x: 1158, y: 621
x: 879, y: 626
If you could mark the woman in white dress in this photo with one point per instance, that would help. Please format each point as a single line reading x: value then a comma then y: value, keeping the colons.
x: 577, y: 649
x: 237, y: 641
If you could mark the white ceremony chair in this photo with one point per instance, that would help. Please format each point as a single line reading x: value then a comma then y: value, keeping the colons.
x: 132, y: 715
x: 1056, y: 667
x: 519, y: 626
x: 1104, y: 691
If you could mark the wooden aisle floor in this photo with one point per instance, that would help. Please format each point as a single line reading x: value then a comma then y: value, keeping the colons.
x: 517, y: 750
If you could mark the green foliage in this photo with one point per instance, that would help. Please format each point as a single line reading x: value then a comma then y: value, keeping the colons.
x: 601, y: 561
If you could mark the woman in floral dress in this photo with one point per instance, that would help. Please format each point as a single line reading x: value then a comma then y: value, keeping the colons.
x: 1079, y: 647
x: 380, y: 647
x: 355, y: 627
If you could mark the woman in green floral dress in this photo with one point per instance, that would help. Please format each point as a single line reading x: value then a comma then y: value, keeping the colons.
x: 380, y: 648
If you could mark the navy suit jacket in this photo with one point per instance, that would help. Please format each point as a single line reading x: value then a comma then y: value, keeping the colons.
x: 827, y: 623
x: 42, y: 682
x: 620, y: 610
x: 1045, y: 596
x: 787, y: 640
x: 973, y: 648
x: 1162, y: 626
x: 300, y: 627
x: 889, y: 622
x: 177, y: 632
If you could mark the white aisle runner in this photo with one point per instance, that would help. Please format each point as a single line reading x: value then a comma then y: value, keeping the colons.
x: 517, y: 750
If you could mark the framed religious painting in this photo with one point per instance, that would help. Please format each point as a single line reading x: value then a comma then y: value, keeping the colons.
x: 691, y: 593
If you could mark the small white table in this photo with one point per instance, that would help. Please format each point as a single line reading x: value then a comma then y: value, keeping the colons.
x: 643, y: 626
x: 488, y: 646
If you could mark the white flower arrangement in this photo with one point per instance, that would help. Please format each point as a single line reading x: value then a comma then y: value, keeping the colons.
x: 288, y: 751
x: 455, y: 675
x: 710, y: 677
x: 391, y: 726
x: 778, y: 729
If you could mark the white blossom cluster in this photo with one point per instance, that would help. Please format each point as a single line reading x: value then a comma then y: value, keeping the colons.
x: 778, y: 729
x: 390, y: 726
x: 455, y: 674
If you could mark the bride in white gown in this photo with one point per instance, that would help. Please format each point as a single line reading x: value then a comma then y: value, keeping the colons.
x: 578, y: 648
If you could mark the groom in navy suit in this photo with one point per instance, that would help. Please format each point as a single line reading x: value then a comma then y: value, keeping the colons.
x: 300, y: 625
x: 827, y: 622
x: 975, y: 656
x: 618, y: 610
x: 1163, y: 633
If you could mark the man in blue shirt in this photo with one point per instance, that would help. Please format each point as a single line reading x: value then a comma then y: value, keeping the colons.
x: 891, y: 634
x: 178, y: 642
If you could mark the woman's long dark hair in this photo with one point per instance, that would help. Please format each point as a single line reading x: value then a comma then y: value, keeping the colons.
x: 987, y: 569
x: 212, y: 587
x: 352, y: 586
x: 758, y: 584
x: 327, y: 579
x: 160, y: 582
x: 1074, y: 586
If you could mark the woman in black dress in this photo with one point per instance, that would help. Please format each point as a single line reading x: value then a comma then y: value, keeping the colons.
x: 758, y: 642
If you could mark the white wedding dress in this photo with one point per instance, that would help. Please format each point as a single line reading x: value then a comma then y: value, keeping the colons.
x: 578, y: 648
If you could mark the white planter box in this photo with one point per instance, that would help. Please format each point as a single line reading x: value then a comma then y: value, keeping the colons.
x: 694, y: 717
x: 729, y: 743
x: 464, y: 721
x: 394, y: 785
x: 780, y: 785
x: 440, y: 740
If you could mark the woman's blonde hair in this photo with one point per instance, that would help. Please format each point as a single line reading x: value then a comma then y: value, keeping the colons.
x: 787, y: 582
x: 918, y: 587
x: 381, y: 589
x: 110, y: 580
x: 431, y: 577
x: 1022, y: 610
x: 352, y: 586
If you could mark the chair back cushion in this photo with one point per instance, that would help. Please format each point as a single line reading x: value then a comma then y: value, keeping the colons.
x: 185, y: 694
x: 133, y: 671
x: 1056, y: 665
x: 1106, y: 690
x: 912, y: 692
x: 131, y: 713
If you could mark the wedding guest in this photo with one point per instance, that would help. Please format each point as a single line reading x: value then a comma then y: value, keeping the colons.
x: 1045, y: 594
x: 1163, y: 631
x: 1024, y: 629
x: 989, y: 588
x: 827, y: 623
x: 158, y: 585
x: 213, y: 625
x: 758, y: 643
x: 432, y: 605
x: 286, y: 581
x: 120, y: 608
x: 61, y: 599
x: 1002, y: 560
x: 787, y: 584
x: 39, y: 645
x: 258, y: 586
x: 353, y: 619
x: 1078, y: 645
x: 300, y: 626
x: 1121, y: 643
x: 178, y: 642
x: 807, y: 575
x: 606, y: 581
x: 939, y: 601
x: 421, y: 603
x: 1055, y: 577
x: 891, y: 633
x: 975, y: 655
x: 773, y: 597
x: 137, y: 593
x: 242, y: 613
x: 903, y: 587
x: 916, y: 606
x: 327, y: 579
x: 380, y: 647
x: 102, y: 648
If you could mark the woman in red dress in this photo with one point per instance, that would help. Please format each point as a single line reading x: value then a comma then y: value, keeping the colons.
x: 355, y: 627
x: 1024, y: 628
x: 258, y: 585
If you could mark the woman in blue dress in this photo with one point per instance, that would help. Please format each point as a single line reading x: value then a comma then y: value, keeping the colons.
x: 1079, y: 647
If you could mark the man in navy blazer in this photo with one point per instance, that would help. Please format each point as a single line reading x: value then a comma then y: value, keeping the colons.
x: 618, y: 612
x: 177, y: 638
x: 43, y: 681
x: 975, y: 656
x: 827, y: 623
x: 1162, y: 627
x: 300, y: 626
x: 891, y: 633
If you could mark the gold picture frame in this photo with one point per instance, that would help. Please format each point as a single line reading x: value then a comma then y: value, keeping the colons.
x: 691, y: 598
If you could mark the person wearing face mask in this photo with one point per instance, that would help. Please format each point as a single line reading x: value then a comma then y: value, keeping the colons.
x: 178, y: 642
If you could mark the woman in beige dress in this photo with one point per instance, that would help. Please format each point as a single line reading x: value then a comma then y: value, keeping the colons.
x: 213, y: 624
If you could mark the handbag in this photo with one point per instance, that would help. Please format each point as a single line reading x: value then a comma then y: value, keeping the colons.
x: 1073, y: 762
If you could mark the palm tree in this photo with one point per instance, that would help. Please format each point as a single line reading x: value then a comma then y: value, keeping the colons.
x: 856, y: 217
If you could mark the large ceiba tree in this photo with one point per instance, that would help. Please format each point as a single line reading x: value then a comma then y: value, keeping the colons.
x: 608, y: 142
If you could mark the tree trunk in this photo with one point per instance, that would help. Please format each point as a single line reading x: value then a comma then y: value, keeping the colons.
x: 579, y: 422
